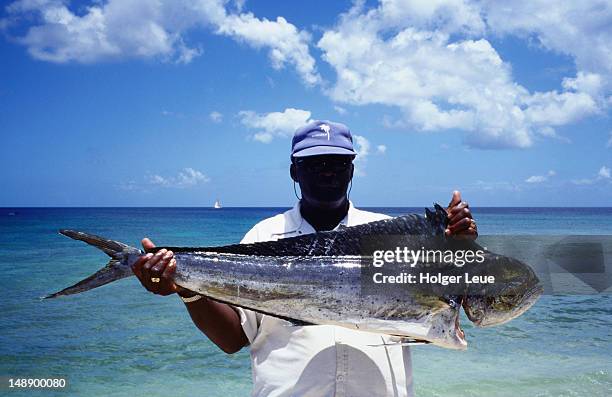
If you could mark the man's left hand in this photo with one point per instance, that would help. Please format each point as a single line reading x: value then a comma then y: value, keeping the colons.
x: 460, y: 218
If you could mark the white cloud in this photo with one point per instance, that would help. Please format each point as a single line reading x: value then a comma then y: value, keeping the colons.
x: 130, y: 186
x: 118, y: 29
x: 540, y: 178
x: 274, y: 124
x: 431, y: 60
x: 362, y: 147
x: 215, y: 117
x: 495, y: 186
x: 602, y: 174
x: 168, y: 113
x: 450, y: 16
x: 580, y: 29
x: 115, y: 29
x: 553, y: 108
x: 287, y: 44
x: 535, y: 179
x: 239, y: 5
x: 583, y: 181
x: 187, y: 177
x: 340, y: 109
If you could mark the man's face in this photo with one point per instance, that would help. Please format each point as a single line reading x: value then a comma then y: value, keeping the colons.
x: 323, y: 179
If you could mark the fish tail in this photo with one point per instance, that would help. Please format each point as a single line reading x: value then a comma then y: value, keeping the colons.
x: 117, y: 268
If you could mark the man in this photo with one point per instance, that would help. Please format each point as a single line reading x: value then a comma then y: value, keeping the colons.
x: 316, y: 360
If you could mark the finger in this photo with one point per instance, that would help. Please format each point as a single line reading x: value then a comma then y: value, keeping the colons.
x: 166, y: 285
x: 169, y: 271
x: 464, y: 213
x: 158, y: 269
x: 453, y: 210
x: 161, y: 286
x: 463, y: 224
x: 147, y: 244
x: 146, y: 270
x: 459, y: 229
x: 465, y: 236
x: 456, y: 199
x: 168, y: 275
x: 470, y: 233
x: 137, y: 266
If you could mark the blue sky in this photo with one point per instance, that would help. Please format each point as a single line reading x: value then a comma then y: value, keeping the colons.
x: 173, y: 103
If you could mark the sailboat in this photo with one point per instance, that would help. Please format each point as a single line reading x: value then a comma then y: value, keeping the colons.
x: 217, y: 204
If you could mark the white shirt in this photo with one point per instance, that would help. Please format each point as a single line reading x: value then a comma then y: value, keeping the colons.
x: 320, y: 360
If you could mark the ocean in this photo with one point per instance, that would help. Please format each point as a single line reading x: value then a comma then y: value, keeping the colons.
x: 120, y: 340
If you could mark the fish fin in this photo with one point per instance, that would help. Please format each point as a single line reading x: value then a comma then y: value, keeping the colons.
x: 440, y: 210
x: 117, y: 268
x: 437, y: 218
x: 404, y: 341
x: 429, y: 214
x: 299, y: 323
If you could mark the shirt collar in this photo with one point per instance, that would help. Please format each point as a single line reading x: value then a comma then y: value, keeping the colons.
x: 295, y: 221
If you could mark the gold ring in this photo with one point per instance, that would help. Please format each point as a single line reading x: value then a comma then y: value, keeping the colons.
x: 155, y: 279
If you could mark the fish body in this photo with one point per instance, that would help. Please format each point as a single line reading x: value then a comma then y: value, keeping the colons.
x: 325, y: 278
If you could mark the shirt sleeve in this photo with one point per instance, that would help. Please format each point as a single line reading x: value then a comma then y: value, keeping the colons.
x: 252, y: 236
x: 249, y: 320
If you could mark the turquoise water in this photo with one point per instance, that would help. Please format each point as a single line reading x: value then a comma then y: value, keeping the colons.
x: 120, y: 340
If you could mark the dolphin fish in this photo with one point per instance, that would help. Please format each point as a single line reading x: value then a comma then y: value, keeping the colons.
x: 326, y: 278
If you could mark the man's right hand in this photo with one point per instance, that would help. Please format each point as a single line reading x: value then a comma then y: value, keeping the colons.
x: 160, y: 265
x: 220, y: 322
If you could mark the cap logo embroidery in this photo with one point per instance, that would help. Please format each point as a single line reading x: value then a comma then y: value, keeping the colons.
x: 325, y: 128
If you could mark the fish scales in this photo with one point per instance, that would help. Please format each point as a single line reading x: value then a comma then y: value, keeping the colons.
x: 317, y: 290
x: 347, y: 240
x: 319, y: 279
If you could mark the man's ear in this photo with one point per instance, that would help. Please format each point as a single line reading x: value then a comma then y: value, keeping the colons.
x: 293, y: 172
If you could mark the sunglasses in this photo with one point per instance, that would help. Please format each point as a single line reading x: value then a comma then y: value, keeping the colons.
x: 317, y: 165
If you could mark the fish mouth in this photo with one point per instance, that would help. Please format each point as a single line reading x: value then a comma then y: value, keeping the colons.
x: 529, y: 299
x: 535, y: 292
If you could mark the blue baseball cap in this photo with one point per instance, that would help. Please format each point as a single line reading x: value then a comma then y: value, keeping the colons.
x: 322, y: 137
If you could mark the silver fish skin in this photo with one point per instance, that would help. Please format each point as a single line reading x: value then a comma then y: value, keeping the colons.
x: 318, y: 279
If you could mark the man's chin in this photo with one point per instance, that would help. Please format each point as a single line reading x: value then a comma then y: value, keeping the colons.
x: 328, y: 202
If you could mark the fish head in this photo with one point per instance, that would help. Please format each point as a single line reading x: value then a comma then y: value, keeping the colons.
x: 486, y: 311
x: 515, y: 289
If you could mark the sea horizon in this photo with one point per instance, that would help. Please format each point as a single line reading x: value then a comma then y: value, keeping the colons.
x: 276, y: 207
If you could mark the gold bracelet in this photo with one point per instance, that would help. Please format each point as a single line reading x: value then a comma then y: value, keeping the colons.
x: 191, y: 298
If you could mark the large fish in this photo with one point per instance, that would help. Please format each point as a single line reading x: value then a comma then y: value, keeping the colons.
x: 325, y: 278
